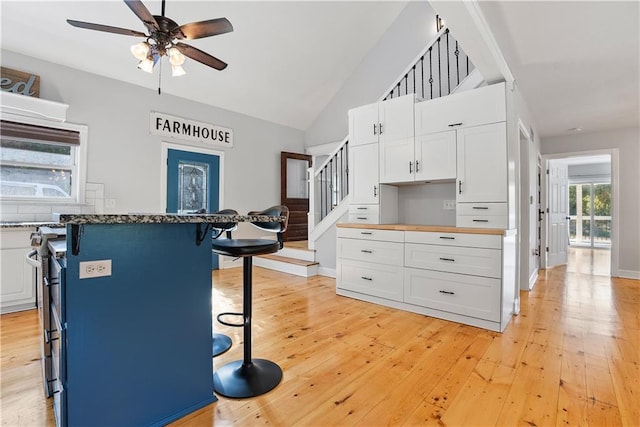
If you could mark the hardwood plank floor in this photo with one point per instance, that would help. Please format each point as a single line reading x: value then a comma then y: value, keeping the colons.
x: 570, y: 358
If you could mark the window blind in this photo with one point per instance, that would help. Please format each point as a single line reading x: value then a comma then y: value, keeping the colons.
x: 38, y: 133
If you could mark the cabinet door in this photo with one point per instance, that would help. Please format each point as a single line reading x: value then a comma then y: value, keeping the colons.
x: 396, y: 118
x: 482, y: 163
x: 361, y: 125
x: 465, y: 109
x: 17, y: 285
x: 363, y: 174
x: 397, y: 161
x: 435, y: 156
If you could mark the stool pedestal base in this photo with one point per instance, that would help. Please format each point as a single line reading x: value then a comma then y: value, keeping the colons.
x: 221, y: 343
x: 239, y: 379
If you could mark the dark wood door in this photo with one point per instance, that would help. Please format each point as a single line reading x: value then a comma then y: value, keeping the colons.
x: 294, y: 193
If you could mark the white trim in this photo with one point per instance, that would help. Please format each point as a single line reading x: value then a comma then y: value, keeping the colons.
x: 28, y: 106
x: 615, y: 203
x: 328, y: 272
x: 627, y: 274
x: 322, y: 149
x: 533, y: 278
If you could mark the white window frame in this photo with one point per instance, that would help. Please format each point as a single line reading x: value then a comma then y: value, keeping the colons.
x: 78, y: 166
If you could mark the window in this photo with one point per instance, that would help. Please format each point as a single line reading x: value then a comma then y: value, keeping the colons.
x: 38, y: 162
x: 590, y: 214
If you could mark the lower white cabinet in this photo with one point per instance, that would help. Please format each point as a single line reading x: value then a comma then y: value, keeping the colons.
x: 463, y: 277
x: 17, y: 278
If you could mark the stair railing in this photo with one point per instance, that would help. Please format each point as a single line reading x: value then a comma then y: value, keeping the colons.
x: 435, y: 72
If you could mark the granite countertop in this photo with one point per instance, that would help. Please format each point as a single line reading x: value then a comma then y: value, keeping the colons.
x: 432, y: 228
x: 27, y: 224
x: 159, y: 218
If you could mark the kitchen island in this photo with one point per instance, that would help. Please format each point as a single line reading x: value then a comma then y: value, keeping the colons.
x: 131, y: 307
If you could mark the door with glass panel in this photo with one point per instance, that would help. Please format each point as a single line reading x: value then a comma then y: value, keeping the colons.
x: 590, y: 214
x: 193, y: 184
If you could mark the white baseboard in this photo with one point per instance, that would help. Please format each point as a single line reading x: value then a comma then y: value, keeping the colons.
x: 532, y: 279
x: 328, y: 272
x: 230, y: 263
x: 627, y: 274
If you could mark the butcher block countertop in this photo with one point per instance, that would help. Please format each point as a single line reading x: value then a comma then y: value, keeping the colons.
x: 432, y: 228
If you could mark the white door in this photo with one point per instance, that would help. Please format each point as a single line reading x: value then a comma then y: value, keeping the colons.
x: 361, y: 125
x: 363, y: 174
x: 435, y: 156
x: 482, y: 163
x: 558, y: 218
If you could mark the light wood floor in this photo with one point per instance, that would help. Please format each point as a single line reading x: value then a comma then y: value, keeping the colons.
x: 570, y: 358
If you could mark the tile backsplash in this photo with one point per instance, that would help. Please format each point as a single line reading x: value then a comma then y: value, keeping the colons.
x: 27, y: 211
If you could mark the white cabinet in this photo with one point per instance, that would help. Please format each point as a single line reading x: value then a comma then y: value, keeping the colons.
x: 435, y: 156
x: 363, y: 125
x: 463, y: 277
x: 383, y: 121
x: 363, y: 174
x: 482, y: 164
x: 17, y: 278
x: 465, y: 109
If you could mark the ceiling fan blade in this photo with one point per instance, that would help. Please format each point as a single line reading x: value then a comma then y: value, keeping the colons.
x: 106, y: 28
x: 200, y: 56
x: 143, y: 13
x: 197, y: 30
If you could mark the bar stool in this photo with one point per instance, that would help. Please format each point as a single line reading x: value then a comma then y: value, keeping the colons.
x: 249, y: 377
x: 221, y: 342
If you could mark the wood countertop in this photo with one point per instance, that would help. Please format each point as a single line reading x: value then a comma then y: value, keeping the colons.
x: 433, y: 228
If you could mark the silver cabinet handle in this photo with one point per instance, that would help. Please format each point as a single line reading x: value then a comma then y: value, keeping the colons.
x: 366, y: 233
x: 417, y: 166
x: 363, y: 208
x: 480, y: 220
x: 361, y: 217
x: 374, y: 129
x: 448, y: 237
x: 447, y: 292
x: 380, y: 128
x: 480, y: 207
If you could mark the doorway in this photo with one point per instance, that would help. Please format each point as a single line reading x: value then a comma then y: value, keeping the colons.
x: 294, y: 193
x: 591, y: 199
x: 192, y: 183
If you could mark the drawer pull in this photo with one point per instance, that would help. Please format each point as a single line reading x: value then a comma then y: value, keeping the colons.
x: 448, y: 259
x: 480, y: 207
x: 366, y: 251
x: 455, y: 124
x: 447, y: 292
x: 367, y: 233
x: 366, y: 278
x: 480, y: 220
x: 447, y: 237
x: 362, y: 209
x: 361, y: 217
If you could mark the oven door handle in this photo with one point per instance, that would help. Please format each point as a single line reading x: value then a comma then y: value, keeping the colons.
x: 31, y: 258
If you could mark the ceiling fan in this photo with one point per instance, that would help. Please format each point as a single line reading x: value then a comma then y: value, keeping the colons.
x: 163, y: 38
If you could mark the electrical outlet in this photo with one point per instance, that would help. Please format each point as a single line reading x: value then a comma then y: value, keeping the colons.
x: 449, y: 205
x: 91, y: 269
x: 110, y: 203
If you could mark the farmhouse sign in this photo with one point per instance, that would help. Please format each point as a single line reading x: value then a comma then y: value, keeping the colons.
x: 19, y: 82
x: 190, y: 130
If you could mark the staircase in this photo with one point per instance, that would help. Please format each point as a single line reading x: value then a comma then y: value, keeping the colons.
x: 440, y: 69
x: 295, y: 258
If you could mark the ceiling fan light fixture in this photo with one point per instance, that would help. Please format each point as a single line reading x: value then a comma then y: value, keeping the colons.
x: 146, y: 65
x: 140, y: 50
x: 175, y: 57
x: 177, y: 71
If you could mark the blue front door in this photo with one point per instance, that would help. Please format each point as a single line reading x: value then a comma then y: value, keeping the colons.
x: 193, y: 184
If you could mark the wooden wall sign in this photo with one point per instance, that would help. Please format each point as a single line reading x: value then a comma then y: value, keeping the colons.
x: 19, y: 82
x: 190, y: 130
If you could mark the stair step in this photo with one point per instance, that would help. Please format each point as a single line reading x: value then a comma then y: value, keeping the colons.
x: 287, y: 265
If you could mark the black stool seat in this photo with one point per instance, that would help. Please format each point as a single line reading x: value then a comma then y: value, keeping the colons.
x: 244, y: 247
x: 249, y: 377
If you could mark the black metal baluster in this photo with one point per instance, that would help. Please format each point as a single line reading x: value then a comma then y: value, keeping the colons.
x: 406, y: 84
x: 321, y: 193
x: 346, y: 145
x: 422, y: 74
x: 341, y: 169
x: 448, y: 70
x: 430, y: 73
x: 439, y: 71
x: 457, y: 53
x: 330, y: 205
x: 414, y: 79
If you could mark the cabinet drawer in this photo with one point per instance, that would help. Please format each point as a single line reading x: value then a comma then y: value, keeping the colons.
x: 489, y: 241
x: 482, y: 209
x: 382, y: 281
x: 364, y: 218
x: 371, y: 234
x: 479, y: 221
x: 364, y: 209
x: 389, y: 253
x: 473, y: 261
x: 470, y: 108
x: 455, y: 293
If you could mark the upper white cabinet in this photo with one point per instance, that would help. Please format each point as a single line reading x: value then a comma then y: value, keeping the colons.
x: 470, y: 108
x: 383, y: 121
x: 482, y: 163
x: 363, y: 125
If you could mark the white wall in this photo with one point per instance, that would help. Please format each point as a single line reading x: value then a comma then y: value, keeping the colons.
x: 126, y: 158
x: 400, y: 44
x: 627, y: 141
x: 423, y: 204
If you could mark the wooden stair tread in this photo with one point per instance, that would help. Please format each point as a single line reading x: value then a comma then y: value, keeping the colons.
x: 289, y: 260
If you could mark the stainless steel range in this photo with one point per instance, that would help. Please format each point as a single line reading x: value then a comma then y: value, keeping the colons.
x: 49, y: 249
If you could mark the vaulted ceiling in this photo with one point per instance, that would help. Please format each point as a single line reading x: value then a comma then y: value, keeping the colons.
x: 576, y: 63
